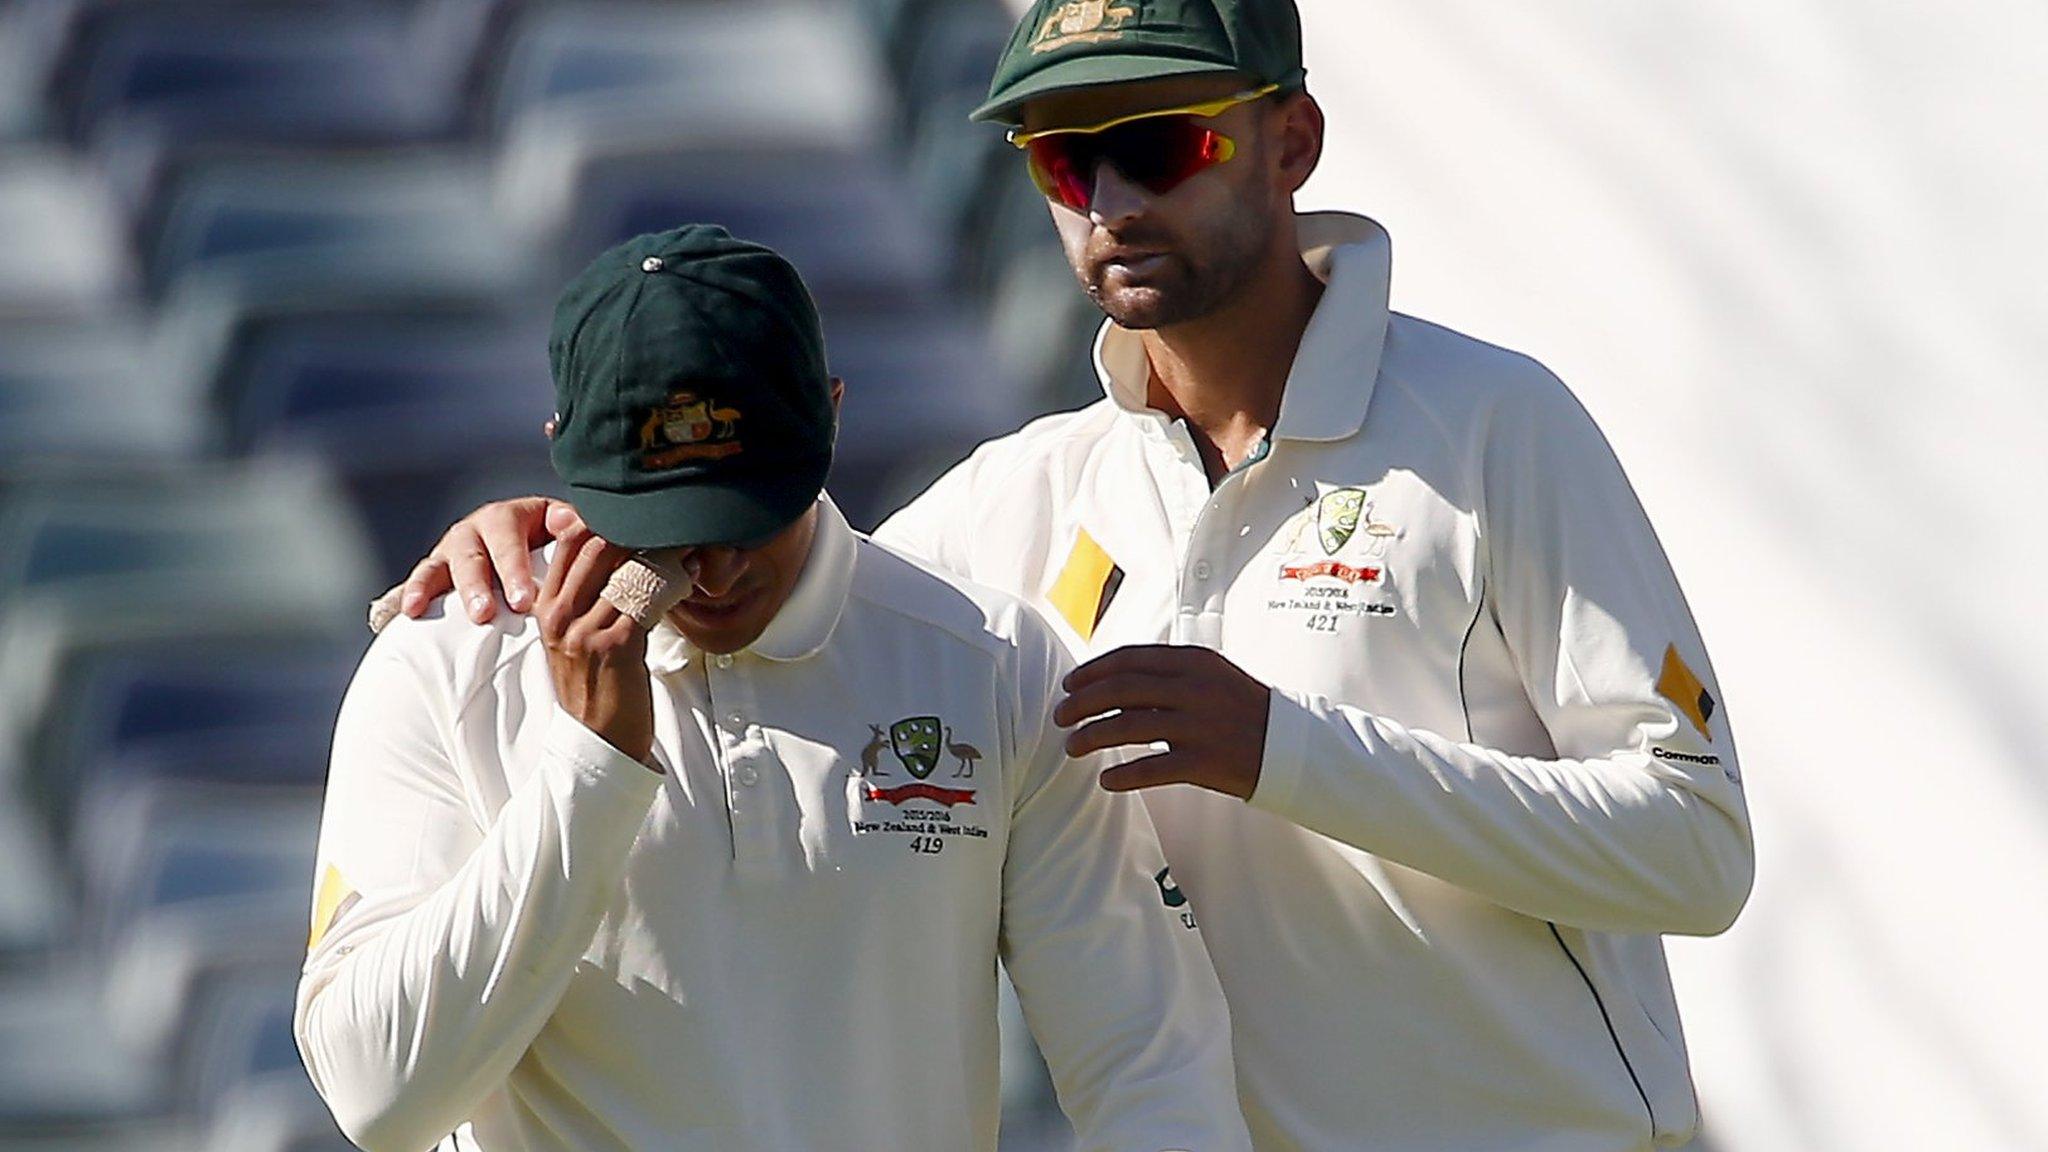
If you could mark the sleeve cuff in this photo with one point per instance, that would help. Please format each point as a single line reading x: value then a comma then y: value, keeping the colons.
x: 594, y: 760
x: 1288, y: 721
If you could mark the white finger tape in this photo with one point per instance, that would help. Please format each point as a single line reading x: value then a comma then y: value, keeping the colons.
x: 384, y: 609
x: 645, y: 591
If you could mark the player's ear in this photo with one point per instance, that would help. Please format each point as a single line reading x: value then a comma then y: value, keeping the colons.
x: 1300, y: 135
x: 838, y: 394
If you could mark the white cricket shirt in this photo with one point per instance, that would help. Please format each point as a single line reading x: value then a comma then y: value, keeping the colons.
x: 788, y: 942
x: 1495, y: 769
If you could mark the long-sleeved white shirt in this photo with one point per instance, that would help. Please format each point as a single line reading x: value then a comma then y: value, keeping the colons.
x: 526, y: 941
x: 1495, y: 769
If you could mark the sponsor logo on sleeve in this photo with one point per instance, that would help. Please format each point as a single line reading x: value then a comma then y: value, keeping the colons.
x: 1087, y: 582
x: 1677, y: 684
x: 1171, y: 896
x: 1707, y: 760
x: 333, y: 901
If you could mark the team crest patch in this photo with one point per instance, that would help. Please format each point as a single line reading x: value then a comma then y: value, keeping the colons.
x: 1337, y: 519
x: 688, y: 427
x: 1081, y: 22
x: 919, y: 744
x: 1332, y: 565
x: 915, y: 740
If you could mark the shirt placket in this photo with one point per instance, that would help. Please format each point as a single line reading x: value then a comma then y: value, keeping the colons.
x: 747, y: 765
x: 1203, y: 538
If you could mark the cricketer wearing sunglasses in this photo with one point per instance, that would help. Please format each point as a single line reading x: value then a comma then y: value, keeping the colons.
x: 1439, y: 756
x: 729, y: 868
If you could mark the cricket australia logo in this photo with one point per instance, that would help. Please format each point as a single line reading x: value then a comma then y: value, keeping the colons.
x: 920, y: 745
x: 1337, y: 519
x: 1333, y: 567
x: 1081, y: 22
x: 687, y: 426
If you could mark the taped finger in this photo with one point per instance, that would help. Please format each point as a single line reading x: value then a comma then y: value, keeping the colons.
x: 644, y: 589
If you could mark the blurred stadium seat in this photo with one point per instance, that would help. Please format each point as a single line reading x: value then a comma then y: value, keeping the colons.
x: 361, y: 220
x: 403, y: 409
x: 788, y: 72
x: 275, y: 278
x: 843, y: 218
x: 83, y: 398
x: 63, y: 239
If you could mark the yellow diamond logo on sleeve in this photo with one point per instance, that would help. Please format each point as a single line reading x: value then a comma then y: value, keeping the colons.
x: 334, y: 898
x: 1086, y: 584
x: 1678, y: 685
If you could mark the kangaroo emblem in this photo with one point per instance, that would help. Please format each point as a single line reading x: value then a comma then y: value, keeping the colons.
x: 871, y: 755
x: 966, y: 754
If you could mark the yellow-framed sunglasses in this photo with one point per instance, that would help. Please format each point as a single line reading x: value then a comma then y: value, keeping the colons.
x: 1157, y: 150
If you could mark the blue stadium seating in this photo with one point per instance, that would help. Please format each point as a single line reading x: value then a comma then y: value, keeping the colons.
x: 274, y: 283
x: 844, y: 220
x: 77, y: 397
x: 371, y: 221
x: 371, y: 396
x: 776, y: 73
x: 308, y: 73
x: 63, y: 238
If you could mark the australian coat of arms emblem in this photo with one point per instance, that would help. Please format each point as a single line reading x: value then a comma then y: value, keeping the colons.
x: 1081, y: 22
x: 688, y: 427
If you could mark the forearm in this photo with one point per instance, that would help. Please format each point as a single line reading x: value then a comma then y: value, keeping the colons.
x: 1625, y: 843
x: 406, y: 1022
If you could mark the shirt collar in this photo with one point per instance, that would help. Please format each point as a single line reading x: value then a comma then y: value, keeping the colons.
x: 1332, y: 379
x: 807, y: 618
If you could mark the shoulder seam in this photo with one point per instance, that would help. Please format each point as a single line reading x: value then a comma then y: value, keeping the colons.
x: 1034, y: 453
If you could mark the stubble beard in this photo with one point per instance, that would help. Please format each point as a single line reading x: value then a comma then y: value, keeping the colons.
x: 1180, y: 290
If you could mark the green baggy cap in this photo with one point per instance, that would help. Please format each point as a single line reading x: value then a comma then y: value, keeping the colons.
x: 692, y: 403
x: 1063, y: 44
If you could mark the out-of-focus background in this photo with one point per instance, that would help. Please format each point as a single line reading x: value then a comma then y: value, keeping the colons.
x: 274, y: 277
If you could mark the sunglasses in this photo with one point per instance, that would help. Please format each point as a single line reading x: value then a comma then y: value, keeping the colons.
x: 1159, y: 151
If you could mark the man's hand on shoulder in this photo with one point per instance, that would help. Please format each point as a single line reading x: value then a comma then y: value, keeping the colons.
x: 486, y: 549
x: 1209, y: 713
x: 597, y: 656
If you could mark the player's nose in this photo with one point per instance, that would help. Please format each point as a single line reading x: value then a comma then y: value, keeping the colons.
x: 718, y: 569
x: 1117, y: 199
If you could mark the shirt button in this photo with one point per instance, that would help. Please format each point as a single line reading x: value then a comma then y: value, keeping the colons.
x: 723, y: 660
x: 737, y: 720
x: 749, y: 775
x: 1202, y: 569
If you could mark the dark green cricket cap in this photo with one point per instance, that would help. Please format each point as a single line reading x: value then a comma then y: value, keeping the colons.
x: 692, y: 404
x: 1063, y: 44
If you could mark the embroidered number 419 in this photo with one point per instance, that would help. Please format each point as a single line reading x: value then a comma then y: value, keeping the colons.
x: 927, y: 845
